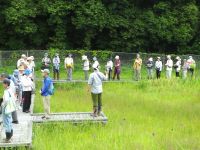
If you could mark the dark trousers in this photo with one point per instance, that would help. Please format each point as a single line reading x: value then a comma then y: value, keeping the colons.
x: 177, y: 74
x: 158, y: 73
x: 14, y: 116
x: 116, y: 73
x: 191, y: 70
x: 56, y: 74
x: 109, y: 74
x: 27, y: 100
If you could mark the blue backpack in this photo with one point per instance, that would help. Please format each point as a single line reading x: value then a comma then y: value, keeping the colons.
x: 51, y: 89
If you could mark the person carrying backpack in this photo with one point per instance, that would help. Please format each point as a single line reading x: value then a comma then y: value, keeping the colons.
x: 46, y: 92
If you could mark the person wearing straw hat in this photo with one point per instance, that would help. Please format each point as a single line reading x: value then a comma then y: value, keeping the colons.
x: 27, y: 86
x: 137, y: 66
x: 86, y: 66
x: 46, y: 61
x: 177, y: 66
x: 69, y: 65
x: 158, y: 67
x: 46, y: 93
x: 169, y: 65
x: 192, y: 65
x: 21, y: 60
x: 56, y: 67
x: 95, y: 87
x: 117, y: 69
x: 150, y: 68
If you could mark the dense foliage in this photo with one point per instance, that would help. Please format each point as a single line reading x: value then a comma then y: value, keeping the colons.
x: 120, y: 25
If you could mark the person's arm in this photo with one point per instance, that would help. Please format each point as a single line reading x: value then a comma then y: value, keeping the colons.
x: 46, y: 86
x: 90, y: 81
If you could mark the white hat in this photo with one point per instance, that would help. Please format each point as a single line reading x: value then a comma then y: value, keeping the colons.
x: 117, y: 57
x: 23, y: 56
x: 190, y: 57
x: 159, y: 58
x: 45, y: 71
x: 29, y: 58
x: 150, y: 59
x: 95, y: 66
x: 94, y: 58
x: 168, y: 56
x: 177, y: 57
x: 32, y: 57
x: 84, y: 57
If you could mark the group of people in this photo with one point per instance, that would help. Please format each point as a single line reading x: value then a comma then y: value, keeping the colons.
x: 19, y: 89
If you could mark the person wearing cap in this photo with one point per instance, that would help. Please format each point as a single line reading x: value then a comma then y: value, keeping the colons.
x: 27, y: 87
x: 109, y: 68
x: 177, y: 66
x: 86, y: 66
x: 158, y: 67
x: 185, y: 68
x: 56, y: 67
x: 169, y: 65
x: 149, y: 66
x: 117, y: 69
x: 95, y: 87
x: 8, y: 100
x: 12, y: 87
x: 192, y: 65
x: 21, y: 60
x: 45, y: 93
x: 69, y: 65
x: 137, y: 66
x: 46, y: 61
x: 96, y: 62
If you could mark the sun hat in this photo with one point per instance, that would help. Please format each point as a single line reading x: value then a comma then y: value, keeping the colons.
x: 117, y: 57
x: 45, y: 71
x: 23, y: 56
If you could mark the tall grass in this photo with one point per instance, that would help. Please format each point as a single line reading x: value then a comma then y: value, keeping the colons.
x: 152, y: 115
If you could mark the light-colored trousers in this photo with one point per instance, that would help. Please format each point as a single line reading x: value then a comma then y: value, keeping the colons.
x: 169, y: 74
x: 150, y: 73
x: 69, y: 74
x: 46, y: 103
x: 7, y: 121
x: 137, y: 73
x: 184, y: 74
x: 86, y: 74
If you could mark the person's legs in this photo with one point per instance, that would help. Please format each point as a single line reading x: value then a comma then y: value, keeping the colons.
x: 115, y: 73
x: 25, y: 95
x: 159, y: 74
x: 109, y: 74
x: 7, y: 123
x: 46, y: 103
x: 95, y: 104
x: 14, y: 117
x: 86, y: 74
x: 118, y: 74
x: 151, y: 73
x: 136, y: 74
x: 54, y: 73
x: 99, y: 104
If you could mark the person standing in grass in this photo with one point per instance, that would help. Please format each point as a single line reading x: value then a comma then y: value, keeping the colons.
x: 117, y: 69
x: 21, y: 60
x: 69, y: 64
x: 109, y: 68
x: 177, y: 66
x: 8, y: 106
x: 137, y: 66
x: 150, y: 68
x: 169, y: 65
x: 95, y: 86
x: 158, y: 67
x: 185, y: 68
x: 46, y: 61
x: 46, y: 92
x: 56, y: 67
x: 192, y: 65
x: 86, y: 66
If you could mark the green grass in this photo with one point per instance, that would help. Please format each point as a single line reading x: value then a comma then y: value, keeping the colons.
x: 150, y: 115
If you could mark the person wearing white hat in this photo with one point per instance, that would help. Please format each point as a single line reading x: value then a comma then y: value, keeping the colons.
x: 158, y: 67
x: 177, y: 66
x: 46, y: 61
x: 21, y: 60
x: 95, y: 87
x: 56, y: 67
x: 137, y: 66
x: 192, y: 65
x: 69, y: 65
x: 95, y: 61
x: 86, y: 66
x: 117, y: 69
x: 109, y: 68
x: 150, y: 68
x: 169, y: 65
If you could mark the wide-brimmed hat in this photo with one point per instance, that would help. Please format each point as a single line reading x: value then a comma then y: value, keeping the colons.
x: 117, y: 57
x: 45, y: 71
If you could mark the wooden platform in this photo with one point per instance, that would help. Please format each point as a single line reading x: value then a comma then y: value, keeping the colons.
x: 76, y: 117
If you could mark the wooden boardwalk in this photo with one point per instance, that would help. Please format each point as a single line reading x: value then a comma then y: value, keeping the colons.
x: 76, y: 117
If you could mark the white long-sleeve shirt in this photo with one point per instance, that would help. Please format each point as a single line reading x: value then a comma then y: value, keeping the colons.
x: 56, y: 61
x: 27, y: 84
x: 69, y: 62
x: 178, y: 65
x: 158, y: 65
x: 86, y: 65
x: 169, y: 64
x: 109, y: 65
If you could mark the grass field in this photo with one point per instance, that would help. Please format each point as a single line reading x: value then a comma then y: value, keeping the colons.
x: 146, y: 115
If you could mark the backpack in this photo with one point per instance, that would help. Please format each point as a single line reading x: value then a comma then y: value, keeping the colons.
x: 51, y: 89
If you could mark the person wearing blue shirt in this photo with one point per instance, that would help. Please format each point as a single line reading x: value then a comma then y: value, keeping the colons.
x: 45, y: 93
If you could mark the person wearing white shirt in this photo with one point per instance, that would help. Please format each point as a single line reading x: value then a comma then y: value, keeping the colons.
x: 169, y: 65
x: 158, y: 67
x: 192, y: 65
x: 69, y: 64
x: 109, y: 68
x: 21, y: 60
x: 95, y: 86
x: 177, y: 66
x: 46, y: 61
x: 27, y: 86
x: 86, y: 66
x: 56, y: 67
x: 96, y: 62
